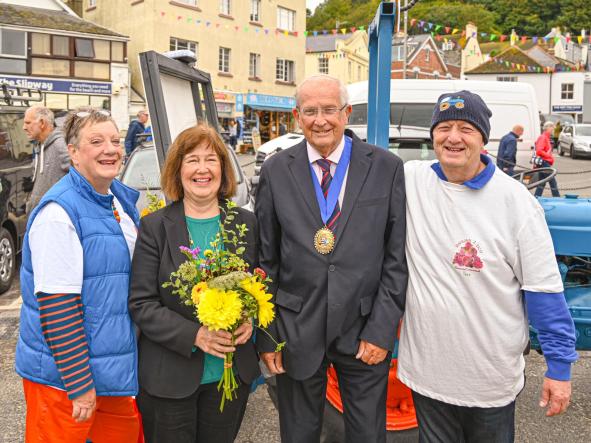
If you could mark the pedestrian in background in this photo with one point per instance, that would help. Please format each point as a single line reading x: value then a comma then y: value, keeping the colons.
x: 76, y: 350
x: 490, y: 266
x: 136, y: 127
x: 51, y: 158
x: 233, y: 132
x: 544, y: 150
x: 507, y: 155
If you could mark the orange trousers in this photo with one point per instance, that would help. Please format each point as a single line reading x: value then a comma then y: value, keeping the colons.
x: 49, y: 418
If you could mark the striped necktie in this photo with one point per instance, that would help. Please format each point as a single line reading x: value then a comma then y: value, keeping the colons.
x: 325, y: 185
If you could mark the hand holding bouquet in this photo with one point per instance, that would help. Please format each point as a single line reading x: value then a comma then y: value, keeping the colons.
x: 223, y: 293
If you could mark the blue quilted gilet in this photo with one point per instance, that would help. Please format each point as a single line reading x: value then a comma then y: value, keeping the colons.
x: 105, y: 288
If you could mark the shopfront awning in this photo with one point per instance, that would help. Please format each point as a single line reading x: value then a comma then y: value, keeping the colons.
x: 269, y: 108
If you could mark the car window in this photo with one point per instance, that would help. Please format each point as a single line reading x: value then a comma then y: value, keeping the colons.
x: 15, y: 147
x: 142, y: 171
x: 584, y: 131
x: 412, y: 149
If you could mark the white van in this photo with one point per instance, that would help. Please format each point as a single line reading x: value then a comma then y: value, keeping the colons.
x: 412, y: 103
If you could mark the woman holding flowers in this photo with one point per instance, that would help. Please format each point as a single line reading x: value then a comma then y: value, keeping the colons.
x: 77, y: 349
x: 181, y: 361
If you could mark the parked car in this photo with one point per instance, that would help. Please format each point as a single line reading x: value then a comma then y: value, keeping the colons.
x: 576, y: 140
x: 141, y: 172
x: 16, y: 183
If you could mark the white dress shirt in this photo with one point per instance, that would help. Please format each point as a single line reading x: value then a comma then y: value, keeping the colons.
x: 334, y: 158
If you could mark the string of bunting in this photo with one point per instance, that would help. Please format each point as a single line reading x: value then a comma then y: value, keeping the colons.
x: 528, y: 68
x: 438, y: 29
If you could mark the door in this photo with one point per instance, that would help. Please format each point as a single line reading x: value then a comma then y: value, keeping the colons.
x: 587, y: 102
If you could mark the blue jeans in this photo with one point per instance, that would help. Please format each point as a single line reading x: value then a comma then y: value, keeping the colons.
x: 552, y: 183
x: 441, y: 422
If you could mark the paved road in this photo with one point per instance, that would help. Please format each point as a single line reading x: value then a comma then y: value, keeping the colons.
x: 261, y: 424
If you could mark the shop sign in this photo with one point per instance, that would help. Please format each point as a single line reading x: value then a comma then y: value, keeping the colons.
x: 223, y: 97
x: 274, y: 101
x: 239, y: 103
x: 52, y: 85
x: 567, y: 108
x: 224, y: 108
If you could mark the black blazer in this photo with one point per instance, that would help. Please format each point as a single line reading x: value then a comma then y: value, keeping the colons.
x: 356, y: 292
x: 167, y: 366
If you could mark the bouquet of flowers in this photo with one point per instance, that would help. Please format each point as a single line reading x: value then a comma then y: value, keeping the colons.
x: 223, y: 293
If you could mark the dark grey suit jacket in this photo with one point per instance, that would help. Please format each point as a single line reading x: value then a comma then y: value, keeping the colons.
x: 167, y: 366
x: 357, y: 291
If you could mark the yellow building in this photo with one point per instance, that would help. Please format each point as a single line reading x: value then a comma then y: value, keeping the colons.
x: 344, y: 56
x: 253, y: 49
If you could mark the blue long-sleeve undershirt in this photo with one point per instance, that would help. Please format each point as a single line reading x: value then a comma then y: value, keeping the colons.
x: 549, y: 315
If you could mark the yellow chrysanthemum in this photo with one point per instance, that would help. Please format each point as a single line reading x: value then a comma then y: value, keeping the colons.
x: 255, y: 288
x: 207, y: 253
x: 144, y: 212
x: 219, y: 310
x: 196, y: 292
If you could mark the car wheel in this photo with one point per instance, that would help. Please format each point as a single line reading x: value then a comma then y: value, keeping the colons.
x: 560, y: 150
x: 573, y: 154
x: 7, y: 260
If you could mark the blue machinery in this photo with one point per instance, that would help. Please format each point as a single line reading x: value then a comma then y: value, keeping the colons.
x: 380, y: 62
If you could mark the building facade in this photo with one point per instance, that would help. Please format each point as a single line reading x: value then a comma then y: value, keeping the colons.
x: 46, y: 46
x: 423, y: 61
x: 344, y: 56
x: 253, y: 49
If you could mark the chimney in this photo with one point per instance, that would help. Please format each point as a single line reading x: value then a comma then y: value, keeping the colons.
x: 514, y: 37
x: 471, y: 30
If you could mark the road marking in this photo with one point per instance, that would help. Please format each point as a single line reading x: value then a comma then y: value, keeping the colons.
x: 15, y: 305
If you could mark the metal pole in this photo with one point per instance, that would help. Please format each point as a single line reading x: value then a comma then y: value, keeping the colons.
x: 405, y: 46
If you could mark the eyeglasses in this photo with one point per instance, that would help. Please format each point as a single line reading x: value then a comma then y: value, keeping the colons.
x: 328, y: 110
x: 84, y: 114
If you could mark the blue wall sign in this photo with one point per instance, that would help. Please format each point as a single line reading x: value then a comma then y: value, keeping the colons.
x: 567, y: 108
x: 274, y: 101
x: 52, y: 85
x: 239, y: 103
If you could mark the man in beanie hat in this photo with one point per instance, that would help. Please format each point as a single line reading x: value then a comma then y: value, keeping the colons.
x: 476, y: 238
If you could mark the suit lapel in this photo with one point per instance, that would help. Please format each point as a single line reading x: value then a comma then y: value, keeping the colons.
x: 301, y: 174
x: 358, y: 169
x: 176, y: 231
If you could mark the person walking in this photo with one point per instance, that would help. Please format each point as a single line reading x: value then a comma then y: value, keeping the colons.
x: 179, y: 397
x: 507, y: 155
x: 136, y: 127
x: 332, y: 228
x: 51, y: 158
x: 76, y: 350
x: 233, y: 132
x: 481, y: 264
x: 544, y: 150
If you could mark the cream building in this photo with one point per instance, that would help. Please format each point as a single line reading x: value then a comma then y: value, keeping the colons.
x: 471, y: 53
x: 253, y: 49
x: 344, y: 56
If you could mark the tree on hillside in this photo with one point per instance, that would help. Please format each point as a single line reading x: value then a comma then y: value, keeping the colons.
x: 574, y: 16
x: 455, y: 15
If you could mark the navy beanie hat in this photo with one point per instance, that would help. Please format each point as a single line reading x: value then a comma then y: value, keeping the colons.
x: 463, y: 105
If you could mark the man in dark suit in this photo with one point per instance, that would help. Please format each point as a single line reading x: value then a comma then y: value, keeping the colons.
x: 331, y: 214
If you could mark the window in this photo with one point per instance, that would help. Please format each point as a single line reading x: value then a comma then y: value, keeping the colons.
x: 254, y: 66
x: 188, y: 2
x: 349, y: 70
x: 91, y: 70
x: 323, y: 65
x: 84, y: 48
x: 226, y: 7
x: 285, y: 19
x: 427, y: 54
x: 102, y: 49
x: 224, y: 60
x: 507, y: 78
x: 50, y: 66
x: 117, y: 53
x: 40, y: 44
x: 567, y: 91
x: 91, y: 3
x: 447, y: 46
x: 358, y: 72
x: 284, y: 71
x: 177, y: 43
x: 255, y: 10
x: 13, y: 43
x: 12, y: 66
x: 61, y: 45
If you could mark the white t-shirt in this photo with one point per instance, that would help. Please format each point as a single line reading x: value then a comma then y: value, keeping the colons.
x: 470, y: 253
x: 56, y: 251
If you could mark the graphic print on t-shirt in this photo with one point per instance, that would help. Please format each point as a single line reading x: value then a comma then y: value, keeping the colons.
x: 466, y: 258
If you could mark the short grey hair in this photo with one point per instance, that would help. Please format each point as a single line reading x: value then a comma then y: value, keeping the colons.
x: 548, y: 124
x: 141, y: 112
x: 43, y: 113
x: 343, y: 93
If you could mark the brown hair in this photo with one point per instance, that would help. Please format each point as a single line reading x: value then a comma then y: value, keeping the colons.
x: 186, y: 141
x: 82, y: 117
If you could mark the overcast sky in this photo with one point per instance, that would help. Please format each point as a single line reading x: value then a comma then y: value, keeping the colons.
x: 311, y: 4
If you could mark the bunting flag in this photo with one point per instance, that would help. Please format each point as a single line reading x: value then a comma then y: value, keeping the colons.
x: 528, y: 68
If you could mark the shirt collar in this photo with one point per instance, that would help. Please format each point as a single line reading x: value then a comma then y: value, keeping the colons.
x: 334, y: 157
x: 477, y: 182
